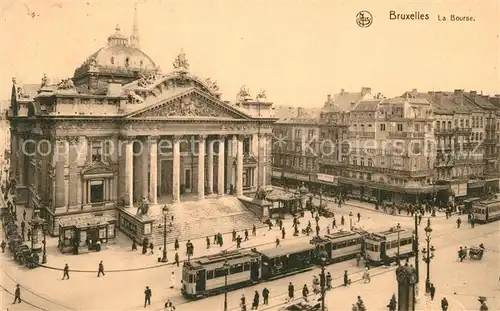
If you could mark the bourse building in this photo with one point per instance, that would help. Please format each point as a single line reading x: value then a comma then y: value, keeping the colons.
x: 119, y: 132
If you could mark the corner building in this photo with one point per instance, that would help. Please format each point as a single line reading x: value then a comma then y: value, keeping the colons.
x: 120, y: 131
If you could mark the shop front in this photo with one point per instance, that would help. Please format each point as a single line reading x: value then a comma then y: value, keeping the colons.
x: 282, y: 202
x: 327, y: 183
x: 294, y: 179
x: 84, y: 234
x: 475, y: 188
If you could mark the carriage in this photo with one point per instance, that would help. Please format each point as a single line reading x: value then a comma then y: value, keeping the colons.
x: 476, y: 252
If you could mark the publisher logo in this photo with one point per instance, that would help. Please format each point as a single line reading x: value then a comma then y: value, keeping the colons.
x: 364, y: 19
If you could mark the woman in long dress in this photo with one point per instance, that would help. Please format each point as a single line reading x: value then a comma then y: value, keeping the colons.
x: 172, y: 280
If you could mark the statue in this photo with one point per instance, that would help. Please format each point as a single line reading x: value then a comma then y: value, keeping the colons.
x: 243, y: 94
x: 212, y: 84
x: 262, y: 94
x: 93, y: 64
x: 143, y: 207
x: 181, y: 62
x: 260, y: 194
x: 45, y: 80
x: 65, y: 84
x: 142, y: 82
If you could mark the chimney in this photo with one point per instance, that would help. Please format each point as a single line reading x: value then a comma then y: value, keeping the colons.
x: 366, y: 90
x: 300, y: 113
x: 473, y: 94
x: 458, y: 92
x: 114, y: 88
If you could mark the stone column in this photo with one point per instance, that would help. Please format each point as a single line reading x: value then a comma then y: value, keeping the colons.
x: 137, y: 148
x: 144, y: 167
x: 129, y: 173
x: 59, y: 164
x: 176, y: 170
x: 14, y: 155
x: 220, y: 166
x: 153, y: 173
x: 239, y: 167
x: 21, y: 154
x: 229, y: 164
x: 201, y: 167
x: 262, y: 160
x: 255, y: 144
x: 210, y: 167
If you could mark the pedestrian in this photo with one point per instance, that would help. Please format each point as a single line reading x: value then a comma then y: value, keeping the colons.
x: 246, y: 234
x: 346, y: 278
x: 334, y: 223
x: 2, y: 245
x: 366, y: 275
x: 134, y: 245
x: 265, y: 296
x: 277, y: 242
x: 66, y: 272
x: 101, y: 269
x: 176, y: 244
x: 243, y: 303
x: 283, y: 233
x: 255, y: 303
x: 234, y: 235
x: 208, y: 242
x: 23, y: 225
x: 24, y: 215
x: 392, y: 303
x: 459, y: 221
x: 17, y: 294
x: 342, y: 220
x: 177, y: 259
x: 254, y: 230
x: 432, y: 291
x: 238, y: 241
x: 151, y: 248
x: 444, y: 304
x: 147, y: 296
x: 172, y: 279
x: 328, y: 281
x: 291, y: 291
x: 317, y: 230
x: 359, y: 217
x: 169, y: 306
x: 305, y: 292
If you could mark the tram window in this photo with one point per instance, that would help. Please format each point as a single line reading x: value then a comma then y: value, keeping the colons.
x: 184, y: 275
x: 191, y: 278
x: 246, y: 266
x: 371, y: 247
x: 210, y: 274
x: 219, y: 273
x: 339, y: 245
x: 236, y: 269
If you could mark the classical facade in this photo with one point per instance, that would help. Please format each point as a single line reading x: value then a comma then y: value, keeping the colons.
x: 120, y: 132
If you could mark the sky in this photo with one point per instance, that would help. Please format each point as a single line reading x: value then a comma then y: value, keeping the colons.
x: 298, y: 51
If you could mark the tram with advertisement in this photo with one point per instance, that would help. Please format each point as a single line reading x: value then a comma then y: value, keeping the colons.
x: 383, y: 246
x: 486, y: 211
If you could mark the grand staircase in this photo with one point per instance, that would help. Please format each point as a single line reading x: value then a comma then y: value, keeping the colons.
x: 198, y: 219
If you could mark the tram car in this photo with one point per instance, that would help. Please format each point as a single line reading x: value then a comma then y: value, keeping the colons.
x: 486, y: 211
x: 383, y: 246
x: 342, y: 245
x: 214, y: 274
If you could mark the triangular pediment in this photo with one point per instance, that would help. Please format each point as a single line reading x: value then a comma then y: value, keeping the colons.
x: 97, y: 168
x: 191, y: 103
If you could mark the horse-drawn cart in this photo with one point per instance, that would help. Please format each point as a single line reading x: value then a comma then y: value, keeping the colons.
x: 476, y: 252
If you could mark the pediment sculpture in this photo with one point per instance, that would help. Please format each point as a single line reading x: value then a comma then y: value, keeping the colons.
x: 261, y: 95
x: 189, y: 107
x: 212, y: 84
x: 244, y: 93
x: 65, y: 84
x: 45, y: 80
x: 95, y: 168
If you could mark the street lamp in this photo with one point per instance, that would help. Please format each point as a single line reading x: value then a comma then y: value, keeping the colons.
x: 320, y: 197
x: 225, y: 267
x: 165, y: 212
x: 398, y: 228
x: 428, y: 253
x: 323, y: 256
x: 44, y: 254
x: 415, y: 247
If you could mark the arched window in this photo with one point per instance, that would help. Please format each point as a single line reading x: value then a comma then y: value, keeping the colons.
x: 112, y: 60
x: 127, y: 62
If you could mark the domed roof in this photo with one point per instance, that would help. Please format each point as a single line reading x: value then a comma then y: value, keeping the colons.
x: 118, y: 53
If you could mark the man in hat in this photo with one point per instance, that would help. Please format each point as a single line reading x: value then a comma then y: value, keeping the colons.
x: 17, y: 294
x: 147, y: 296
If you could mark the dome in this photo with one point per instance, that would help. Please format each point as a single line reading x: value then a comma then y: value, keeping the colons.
x: 118, y: 53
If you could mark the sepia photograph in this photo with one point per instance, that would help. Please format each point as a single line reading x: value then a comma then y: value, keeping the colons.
x: 232, y: 155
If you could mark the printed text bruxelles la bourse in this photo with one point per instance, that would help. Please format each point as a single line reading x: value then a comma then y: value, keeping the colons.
x: 417, y: 15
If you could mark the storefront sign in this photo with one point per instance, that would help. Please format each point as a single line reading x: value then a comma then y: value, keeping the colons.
x: 296, y: 176
x: 328, y: 178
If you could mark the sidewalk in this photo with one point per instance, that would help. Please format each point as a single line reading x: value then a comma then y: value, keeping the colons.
x: 368, y: 206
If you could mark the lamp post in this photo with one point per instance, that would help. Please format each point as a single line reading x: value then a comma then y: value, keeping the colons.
x: 225, y: 266
x: 428, y: 253
x: 323, y: 256
x: 415, y: 247
x: 44, y: 254
x: 165, y: 212
x: 320, y: 196
x: 398, y: 228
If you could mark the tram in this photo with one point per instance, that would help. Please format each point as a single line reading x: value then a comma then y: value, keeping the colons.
x: 383, y: 246
x: 486, y: 211
x: 342, y: 245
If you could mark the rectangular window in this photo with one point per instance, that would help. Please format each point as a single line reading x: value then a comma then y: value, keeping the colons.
x: 102, y: 233
x: 382, y: 127
x: 220, y: 273
x: 96, y: 152
x: 111, y: 231
x: 400, y: 127
x: 236, y: 269
x: 210, y: 274
x: 246, y: 146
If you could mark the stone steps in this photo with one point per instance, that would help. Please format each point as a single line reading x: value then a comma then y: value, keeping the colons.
x: 193, y: 220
